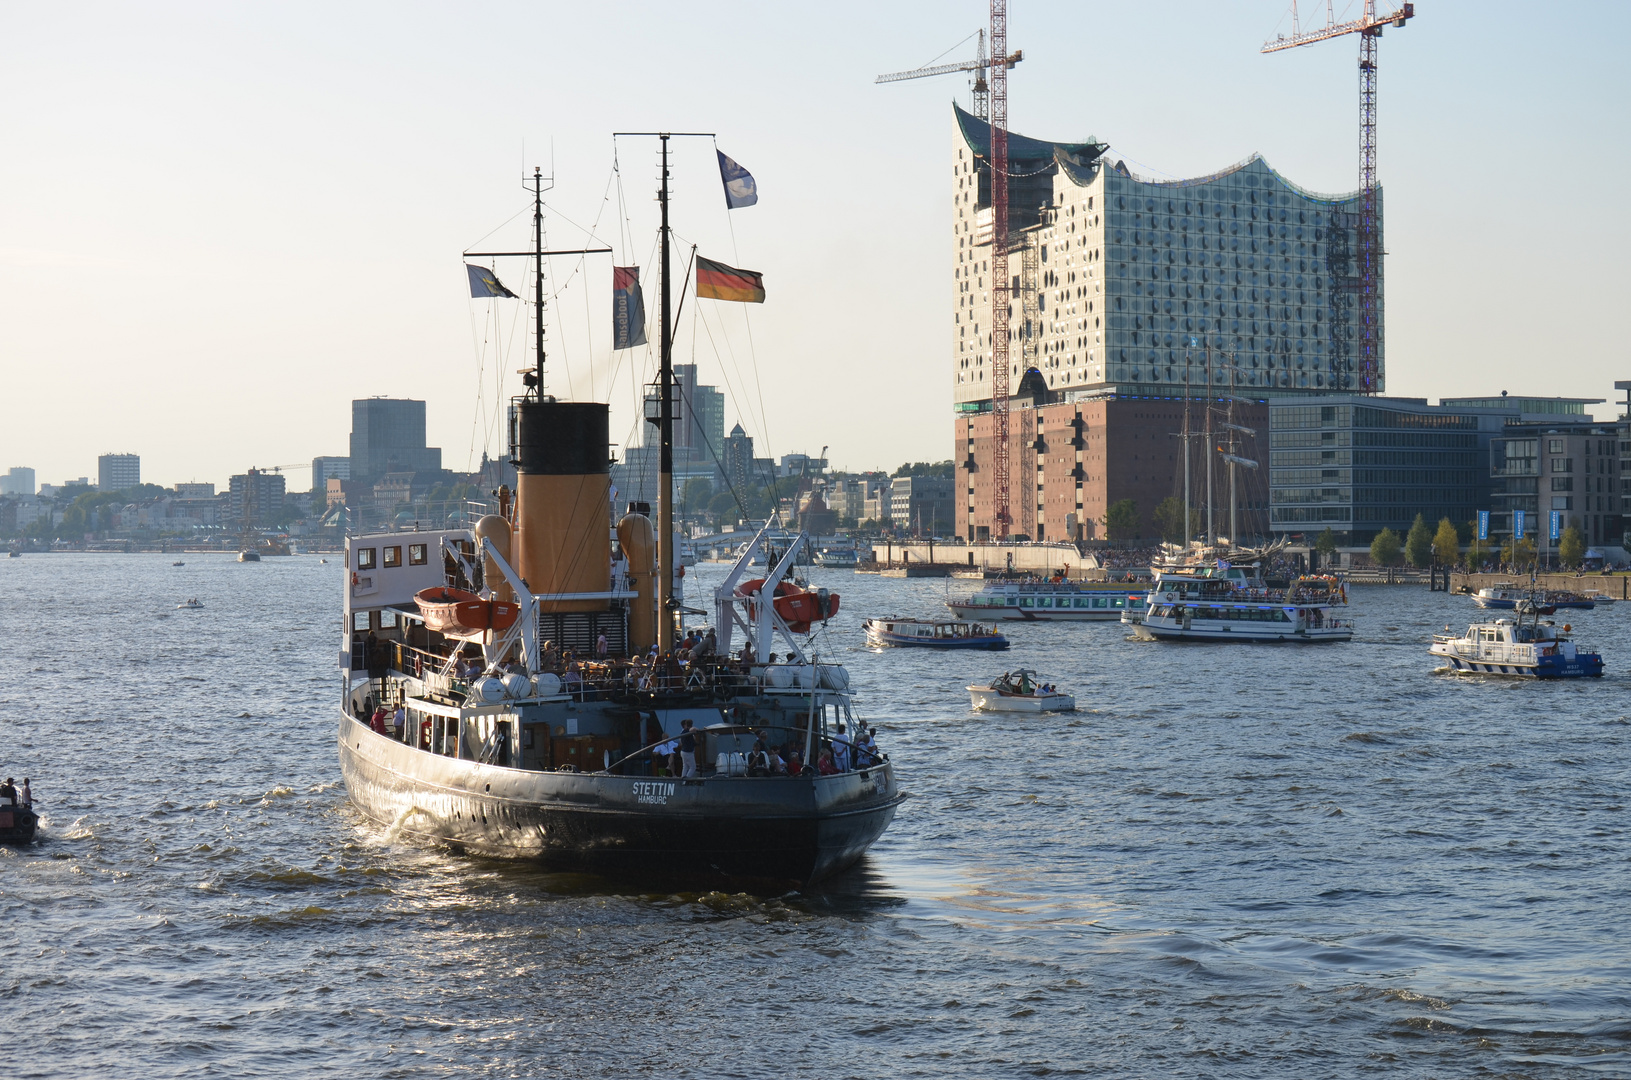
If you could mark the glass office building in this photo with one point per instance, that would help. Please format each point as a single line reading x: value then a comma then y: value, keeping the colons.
x: 1358, y: 465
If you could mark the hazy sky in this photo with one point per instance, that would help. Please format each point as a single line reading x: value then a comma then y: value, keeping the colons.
x: 219, y: 223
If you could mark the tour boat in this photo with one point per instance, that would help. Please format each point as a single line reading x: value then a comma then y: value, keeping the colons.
x: 1559, y: 599
x: 1534, y: 649
x: 503, y: 753
x: 932, y: 634
x: 459, y: 613
x: 838, y: 558
x: 1507, y: 595
x: 1216, y: 604
x: 1053, y: 601
x: 17, y: 824
x: 1018, y: 691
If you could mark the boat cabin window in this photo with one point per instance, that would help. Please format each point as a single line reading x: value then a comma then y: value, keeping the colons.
x: 393, y: 556
x: 365, y: 558
x: 387, y: 620
x: 359, y: 620
x: 417, y: 554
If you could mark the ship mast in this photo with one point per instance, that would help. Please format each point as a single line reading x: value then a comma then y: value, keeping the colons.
x: 538, y: 278
x: 665, y: 428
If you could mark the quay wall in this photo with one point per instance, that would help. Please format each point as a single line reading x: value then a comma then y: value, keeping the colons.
x: 1617, y: 585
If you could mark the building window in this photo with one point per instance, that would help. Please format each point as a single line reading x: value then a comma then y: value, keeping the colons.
x: 1562, y: 502
x: 1562, y: 465
x: 1562, y: 483
x: 416, y: 555
x: 365, y: 558
x: 1554, y: 446
x: 393, y: 557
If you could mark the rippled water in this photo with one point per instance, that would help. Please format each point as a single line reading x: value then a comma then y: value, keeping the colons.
x: 1233, y: 861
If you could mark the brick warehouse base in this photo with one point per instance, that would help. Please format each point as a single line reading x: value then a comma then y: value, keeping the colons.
x: 1072, y: 461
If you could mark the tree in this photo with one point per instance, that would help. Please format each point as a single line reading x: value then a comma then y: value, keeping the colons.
x: 1418, y: 543
x: 1447, y: 542
x: 1517, y: 552
x: 1121, y: 521
x: 1571, y: 548
x: 945, y: 470
x: 1169, y: 519
x: 1326, y: 545
x: 1384, y: 550
x: 695, y: 494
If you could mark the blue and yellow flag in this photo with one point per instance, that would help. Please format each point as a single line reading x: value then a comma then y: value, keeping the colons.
x: 484, y: 283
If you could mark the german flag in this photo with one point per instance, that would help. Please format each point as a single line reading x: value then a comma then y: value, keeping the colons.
x: 716, y: 281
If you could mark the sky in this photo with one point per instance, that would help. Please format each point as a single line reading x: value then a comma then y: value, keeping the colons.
x: 220, y: 223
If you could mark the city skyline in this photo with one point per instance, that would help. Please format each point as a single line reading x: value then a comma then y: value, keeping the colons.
x: 218, y: 304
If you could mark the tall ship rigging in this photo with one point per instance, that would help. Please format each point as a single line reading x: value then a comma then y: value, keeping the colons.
x: 463, y: 721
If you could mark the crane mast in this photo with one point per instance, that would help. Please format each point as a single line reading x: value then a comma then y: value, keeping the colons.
x: 1369, y: 28
x: 1000, y: 292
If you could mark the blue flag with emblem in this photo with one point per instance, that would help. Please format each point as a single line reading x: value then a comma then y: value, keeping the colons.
x: 1517, y: 524
x: 740, y: 189
x: 1483, y: 524
x: 484, y: 283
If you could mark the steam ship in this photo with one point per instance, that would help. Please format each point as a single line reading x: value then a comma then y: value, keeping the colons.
x: 545, y: 702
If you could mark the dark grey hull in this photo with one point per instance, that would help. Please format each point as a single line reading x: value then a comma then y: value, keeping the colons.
x: 750, y: 828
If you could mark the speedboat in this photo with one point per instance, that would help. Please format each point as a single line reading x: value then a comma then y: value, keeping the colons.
x: 1018, y: 691
x: 932, y: 634
x: 1533, y: 649
x: 178, y: 564
x: 1598, y: 596
x: 17, y: 824
x: 1507, y: 595
x: 189, y: 605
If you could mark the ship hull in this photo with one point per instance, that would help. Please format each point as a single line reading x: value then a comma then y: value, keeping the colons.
x: 996, y: 614
x: 747, y: 828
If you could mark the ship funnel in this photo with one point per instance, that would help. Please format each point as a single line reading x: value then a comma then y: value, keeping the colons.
x: 638, y: 540
x: 562, y: 541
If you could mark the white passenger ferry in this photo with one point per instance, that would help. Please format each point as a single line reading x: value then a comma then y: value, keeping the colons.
x: 1224, y: 603
x: 1057, y: 601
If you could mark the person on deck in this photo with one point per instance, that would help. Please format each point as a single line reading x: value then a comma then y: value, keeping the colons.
x: 841, y: 750
x: 377, y: 721
x: 399, y: 718
x: 866, y: 749
x: 8, y: 792
x: 601, y: 647
x: 824, y: 765
x: 28, y: 794
x: 688, y: 750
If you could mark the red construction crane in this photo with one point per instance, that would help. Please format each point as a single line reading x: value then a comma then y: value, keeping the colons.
x: 1000, y: 291
x: 1369, y: 28
x: 982, y: 89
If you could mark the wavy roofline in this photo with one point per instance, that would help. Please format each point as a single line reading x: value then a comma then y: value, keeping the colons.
x: 1230, y: 170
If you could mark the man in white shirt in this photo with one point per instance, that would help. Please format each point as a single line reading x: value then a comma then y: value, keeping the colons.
x: 841, y: 750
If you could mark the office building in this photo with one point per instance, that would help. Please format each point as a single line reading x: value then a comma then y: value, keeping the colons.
x: 701, y: 448
x: 1358, y: 465
x: 1572, y: 468
x: 118, y: 472
x: 256, y: 498
x: 193, y: 490
x: 1128, y: 295
x: 387, y: 436
x: 922, y: 505
x: 324, y: 469
x: 17, y: 481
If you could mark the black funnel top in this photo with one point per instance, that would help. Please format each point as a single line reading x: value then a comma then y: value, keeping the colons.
x: 560, y: 438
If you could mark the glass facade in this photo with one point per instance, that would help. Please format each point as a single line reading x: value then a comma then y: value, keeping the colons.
x: 1363, y: 464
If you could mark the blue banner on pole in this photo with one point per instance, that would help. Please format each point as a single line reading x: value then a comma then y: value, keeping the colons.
x: 1517, y: 523
x: 1483, y: 524
x: 1557, y: 524
x: 628, y: 308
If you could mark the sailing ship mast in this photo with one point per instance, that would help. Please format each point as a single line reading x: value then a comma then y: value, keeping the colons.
x: 665, y: 429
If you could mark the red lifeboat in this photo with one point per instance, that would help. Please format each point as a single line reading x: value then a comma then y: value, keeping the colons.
x: 797, y: 607
x: 464, y: 615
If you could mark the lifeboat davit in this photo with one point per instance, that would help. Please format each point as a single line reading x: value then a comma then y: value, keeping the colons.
x: 797, y: 607
x: 464, y: 615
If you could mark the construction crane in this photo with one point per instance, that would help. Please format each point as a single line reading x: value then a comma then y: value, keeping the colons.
x: 991, y: 105
x: 1369, y: 28
x: 982, y: 90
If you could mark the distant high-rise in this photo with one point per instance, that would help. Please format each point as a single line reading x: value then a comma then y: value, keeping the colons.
x: 324, y: 469
x: 19, y: 481
x: 388, y: 435
x: 256, y: 497
x: 116, y: 472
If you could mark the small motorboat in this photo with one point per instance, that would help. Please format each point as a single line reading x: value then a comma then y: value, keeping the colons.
x: 17, y: 824
x: 932, y: 634
x: 1529, y: 648
x: 322, y: 561
x: 249, y: 555
x: 1019, y: 691
x: 464, y: 615
x: 178, y: 564
x: 1598, y: 596
x: 189, y: 605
